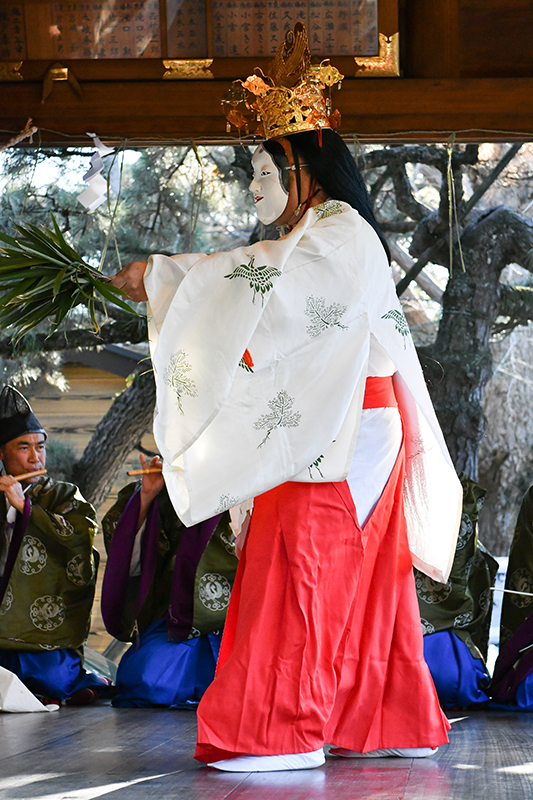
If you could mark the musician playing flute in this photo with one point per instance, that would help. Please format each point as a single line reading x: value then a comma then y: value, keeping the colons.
x: 166, y: 589
x: 47, y: 564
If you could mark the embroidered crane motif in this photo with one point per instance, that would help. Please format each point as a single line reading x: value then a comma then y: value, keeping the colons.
x: 316, y: 465
x: 246, y: 361
x: 281, y: 415
x: 400, y: 323
x: 260, y: 278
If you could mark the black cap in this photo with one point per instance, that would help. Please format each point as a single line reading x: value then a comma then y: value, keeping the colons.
x: 16, y: 416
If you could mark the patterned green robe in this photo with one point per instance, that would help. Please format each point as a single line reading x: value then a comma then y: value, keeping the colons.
x: 516, y: 608
x: 48, y: 600
x: 216, y: 570
x: 464, y: 603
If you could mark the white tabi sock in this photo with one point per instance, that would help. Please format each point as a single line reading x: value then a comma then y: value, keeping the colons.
x: 398, y: 752
x: 271, y: 763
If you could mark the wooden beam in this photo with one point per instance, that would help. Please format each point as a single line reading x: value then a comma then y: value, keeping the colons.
x: 432, y: 46
x: 482, y: 109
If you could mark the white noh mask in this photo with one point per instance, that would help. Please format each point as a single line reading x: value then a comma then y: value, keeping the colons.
x: 270, y: 196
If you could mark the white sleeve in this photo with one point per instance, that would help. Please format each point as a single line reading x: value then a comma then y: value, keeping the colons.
x: 135, y: 563
x: 162, y: 277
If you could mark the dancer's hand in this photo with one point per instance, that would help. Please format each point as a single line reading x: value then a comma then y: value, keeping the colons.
x: 130, y: 279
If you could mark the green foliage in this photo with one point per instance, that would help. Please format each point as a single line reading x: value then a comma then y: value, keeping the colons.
x: 44, y: 278
x: 170, y: 200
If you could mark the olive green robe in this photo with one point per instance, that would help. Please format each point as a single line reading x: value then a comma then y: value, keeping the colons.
x: 516, y: 608
x: 464, y: 603
x: 218, y: 565
x: 48, y: 600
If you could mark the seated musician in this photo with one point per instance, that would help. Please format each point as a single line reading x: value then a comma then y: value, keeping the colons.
x: 47, y: 564
x: 166, y: 589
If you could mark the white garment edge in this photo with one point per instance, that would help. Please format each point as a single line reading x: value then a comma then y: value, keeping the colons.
x: 15, y: 697
x: 281, y: 763
x: 378, y: 443
x: 386, y: 752
x: 135, y: 563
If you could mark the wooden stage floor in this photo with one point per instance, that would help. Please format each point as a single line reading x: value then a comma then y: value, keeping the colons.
x: 136, y: 754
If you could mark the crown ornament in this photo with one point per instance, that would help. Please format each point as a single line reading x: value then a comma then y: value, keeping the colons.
x: 295, y: 96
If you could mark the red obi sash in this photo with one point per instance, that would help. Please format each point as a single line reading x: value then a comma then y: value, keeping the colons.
x: 379, y: 393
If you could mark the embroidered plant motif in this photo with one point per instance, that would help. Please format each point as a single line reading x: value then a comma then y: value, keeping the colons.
x: 175, y: 376
x: 226, y: 502
x: 400, y: 323
x: 315, y: 465
x: 322, y: 316
x: 328, y: 209
x: 281, y: 415
x: 260, y: 277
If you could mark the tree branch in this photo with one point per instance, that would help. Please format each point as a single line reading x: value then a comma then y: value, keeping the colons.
x: 431, y: 252
x: 414, y: 154
x: 132, y: 330
x: 397, y: 225
x: 377, y: 186
x: 516, y: 303
x: 404, y: 194
x: 128, y: 418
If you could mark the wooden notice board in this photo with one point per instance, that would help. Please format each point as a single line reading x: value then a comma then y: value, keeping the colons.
x: 220, y: 38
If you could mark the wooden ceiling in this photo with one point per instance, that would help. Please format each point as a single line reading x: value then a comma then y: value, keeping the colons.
x: 466, y: 67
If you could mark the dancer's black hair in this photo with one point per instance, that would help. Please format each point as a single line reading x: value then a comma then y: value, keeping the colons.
x: 334, y: 168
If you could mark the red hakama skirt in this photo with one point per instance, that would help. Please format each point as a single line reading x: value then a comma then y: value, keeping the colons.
x: 323, y: 641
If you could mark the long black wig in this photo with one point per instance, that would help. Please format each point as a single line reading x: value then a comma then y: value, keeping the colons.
x: 334, y: 168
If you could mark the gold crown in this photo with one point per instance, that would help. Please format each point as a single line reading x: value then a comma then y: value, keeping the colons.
x: 295, y: 96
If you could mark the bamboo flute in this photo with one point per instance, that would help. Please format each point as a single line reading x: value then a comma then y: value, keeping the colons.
x: 27, y: 475
x: 147, y: 471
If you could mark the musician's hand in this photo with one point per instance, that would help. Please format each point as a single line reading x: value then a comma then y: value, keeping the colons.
x: 130, y: 279
x: 151, y: 486
x: 152, y: 483
x: 13, y: 491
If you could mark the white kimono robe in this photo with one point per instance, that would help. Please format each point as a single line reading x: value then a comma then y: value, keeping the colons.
x: 304, y: 308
